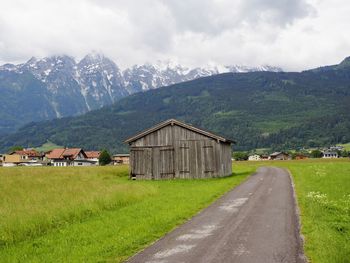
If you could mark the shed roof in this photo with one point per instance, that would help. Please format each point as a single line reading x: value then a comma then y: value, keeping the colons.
x: 181, y: 124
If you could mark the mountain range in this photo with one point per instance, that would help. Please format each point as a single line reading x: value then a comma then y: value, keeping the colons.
x: 59, y: 86
x: 278, y: 110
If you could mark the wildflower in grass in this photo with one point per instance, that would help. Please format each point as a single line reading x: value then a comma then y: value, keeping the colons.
x: 317, y: 196
x: 320, y: 172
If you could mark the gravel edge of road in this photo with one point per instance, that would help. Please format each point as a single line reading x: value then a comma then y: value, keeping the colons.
x: 302, y: 258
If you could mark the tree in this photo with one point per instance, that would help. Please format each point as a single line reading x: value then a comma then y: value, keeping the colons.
x: 316, y: 154
x: 105, y: 158
x: 15, y: 148
x: 344, y: 154
x: 240, y: 156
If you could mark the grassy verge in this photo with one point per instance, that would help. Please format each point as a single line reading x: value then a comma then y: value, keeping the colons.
x: 323, y: 192
x: 93, y: 214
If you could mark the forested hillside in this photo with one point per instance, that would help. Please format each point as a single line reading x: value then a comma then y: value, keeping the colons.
x: 257, y: 109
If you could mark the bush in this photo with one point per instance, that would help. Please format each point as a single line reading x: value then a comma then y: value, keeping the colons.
x: 240, y: 156
x: 344, y: 154
x: 316, y: 154
x: 105, y: 158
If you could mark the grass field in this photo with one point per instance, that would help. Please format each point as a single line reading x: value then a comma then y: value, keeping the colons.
x: 323, y: 193
x: 51, y: 214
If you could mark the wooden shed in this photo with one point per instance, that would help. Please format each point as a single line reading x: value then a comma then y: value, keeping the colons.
x: 173, y: 149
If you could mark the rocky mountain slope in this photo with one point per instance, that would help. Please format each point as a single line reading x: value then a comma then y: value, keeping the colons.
x: 281, y: 110
x: 58, y: 86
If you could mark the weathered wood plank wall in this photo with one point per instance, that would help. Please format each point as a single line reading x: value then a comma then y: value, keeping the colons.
x: 176, y: 152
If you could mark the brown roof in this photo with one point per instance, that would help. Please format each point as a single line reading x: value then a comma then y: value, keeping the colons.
x: 55, y: 154
x: 64, y: 153
x: 72, y: 152
x: 92, y: 154
x: 30, y: 153
x: 181, y: 124
x: 278, y: 153
x: 121, y: 155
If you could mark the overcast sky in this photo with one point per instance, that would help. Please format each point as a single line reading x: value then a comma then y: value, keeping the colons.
x: 293, y: 34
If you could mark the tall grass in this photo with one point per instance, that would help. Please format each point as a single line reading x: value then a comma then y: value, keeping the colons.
x: 36, y: 200
x: 95, y: 213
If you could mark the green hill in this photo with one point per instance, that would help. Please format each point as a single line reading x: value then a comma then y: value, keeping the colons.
x: 258, y: 109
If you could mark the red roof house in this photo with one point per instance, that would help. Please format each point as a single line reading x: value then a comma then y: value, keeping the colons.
x: 68, y: 157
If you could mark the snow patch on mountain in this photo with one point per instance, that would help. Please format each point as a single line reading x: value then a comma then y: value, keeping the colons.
x: 96, y: 81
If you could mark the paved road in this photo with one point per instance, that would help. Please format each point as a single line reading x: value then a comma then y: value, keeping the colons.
x: 255, y: 222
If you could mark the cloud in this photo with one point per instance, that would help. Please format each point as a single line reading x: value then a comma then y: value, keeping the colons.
x: 294, y: 34
x: 214, y: 17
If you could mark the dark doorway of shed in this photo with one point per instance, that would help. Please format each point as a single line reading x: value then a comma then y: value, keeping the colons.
x: 153, y: 162
x: 141, y: 166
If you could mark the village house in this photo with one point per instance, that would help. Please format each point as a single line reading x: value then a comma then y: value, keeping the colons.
x: 264, y: 157
x: 330, y: 154
x: 280, y: 156
x: 25, y: 157
x: 173, y: 149
x: 254, y: 157
x: 68, y: 157
x: 93, y: 156
x: 121, y: 159
x: 336, y: 148
x: 300, y: 156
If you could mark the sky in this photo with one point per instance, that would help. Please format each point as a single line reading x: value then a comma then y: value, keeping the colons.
x: 292, y: 34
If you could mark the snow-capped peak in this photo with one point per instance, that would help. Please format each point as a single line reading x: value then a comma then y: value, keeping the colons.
x: 96, y: 81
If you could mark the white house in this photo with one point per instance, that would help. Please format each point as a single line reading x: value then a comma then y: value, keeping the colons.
x: 254, y: 157
x: 69, y: 157
x: 93, y: 156
x: 329, y: 154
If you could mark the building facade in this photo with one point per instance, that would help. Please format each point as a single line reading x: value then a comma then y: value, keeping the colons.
x: 280, y: 156
x: 121, y: 159
x: 330, y: 154
x: 93, y: 156
x: 25, y: 157
x: 68, y: 157
x: 173, y: 149
x: 254, y: 157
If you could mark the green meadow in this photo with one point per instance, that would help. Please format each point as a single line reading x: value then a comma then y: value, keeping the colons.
x: 90, y: 214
